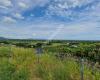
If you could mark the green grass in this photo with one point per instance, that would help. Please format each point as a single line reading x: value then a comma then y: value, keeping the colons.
x: 5, y: 51
x: 23, y: 64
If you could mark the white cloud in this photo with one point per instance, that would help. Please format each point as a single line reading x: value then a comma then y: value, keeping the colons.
x: 65, y: 8
x: 71, y: 3
x: 28, y: 4
x: 22, y: 5
x: 18, y: 16
x: 65, y: 5
x: 86, y: 21
x: 3, y: 7
x: 6, y: 3
x: 51, y: 30
x: 10, y: 7
x: 38, y: 2
x: 8, y: 20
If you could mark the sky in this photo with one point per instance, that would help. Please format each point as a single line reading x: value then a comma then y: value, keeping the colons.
x: 50, y: 19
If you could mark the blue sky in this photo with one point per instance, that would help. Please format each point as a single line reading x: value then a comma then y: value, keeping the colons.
x: 50, y: 19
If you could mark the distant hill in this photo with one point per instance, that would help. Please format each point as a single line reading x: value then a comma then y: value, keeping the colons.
x: 2, y: 38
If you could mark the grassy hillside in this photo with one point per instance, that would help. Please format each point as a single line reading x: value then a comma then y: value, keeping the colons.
x: 24, y: 64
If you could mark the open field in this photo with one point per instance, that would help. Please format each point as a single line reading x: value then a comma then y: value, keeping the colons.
x: 58, y: 60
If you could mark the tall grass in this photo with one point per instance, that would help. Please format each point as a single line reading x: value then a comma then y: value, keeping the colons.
x: 24, y: 64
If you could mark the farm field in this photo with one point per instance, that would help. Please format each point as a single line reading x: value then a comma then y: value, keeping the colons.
x: 56, y: 60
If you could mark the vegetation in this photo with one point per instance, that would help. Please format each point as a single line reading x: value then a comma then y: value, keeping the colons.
x: 59, y: 60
